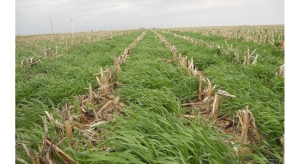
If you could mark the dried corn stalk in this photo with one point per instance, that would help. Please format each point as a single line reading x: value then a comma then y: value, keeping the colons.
x: 20, y: 160
x: 166, y: 60
x: 215, y: 111
x: 245, y: 58
x: 219, y: 93
x: 55, y: 124
x: 226, y: 44
x: 191, y: 65
x: 59, y: 152
x: 82, y: 107
x: 107, y: 104
x: 281, y: 70
x: 247, y: 122
x: 29, y: 154
x: 281, y: 45
x: 208, y: 95
x: 252, y: 53
x: 248, y: 56
x: 45, y: 125
x: 255, y: 59
x: 92, y: 97
x: 65, y: 110
x: 98, y: 81
x: 104, y: 82
x: 282, y: 142
x: 117, y: 64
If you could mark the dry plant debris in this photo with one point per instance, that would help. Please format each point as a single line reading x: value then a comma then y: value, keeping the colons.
x: 207, y: 108
x: 281, y: 70
x: 282, y: 142
x: 95, y: 109
x: 227, y: 52
x: 54, y: 46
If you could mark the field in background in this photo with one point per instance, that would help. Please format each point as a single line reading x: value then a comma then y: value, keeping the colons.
x: 152, y: 96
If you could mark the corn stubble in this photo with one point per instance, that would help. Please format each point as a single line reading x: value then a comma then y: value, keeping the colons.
x: 211, y: 45
x: 243, y: 131
x: 155, y: 135
x: 58, y: 45
x: 95, y: 109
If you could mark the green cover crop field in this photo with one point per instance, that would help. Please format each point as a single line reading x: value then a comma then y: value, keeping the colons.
x: 177, y: 95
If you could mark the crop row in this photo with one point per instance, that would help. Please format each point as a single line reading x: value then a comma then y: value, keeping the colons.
x: 207, y: 105
x: 32, y: 50
x: 153, y: 129
x: 155, y: 125
x: 227, y: 51
x: 89, y: 117
x: 258, y: 34
x: 48, y: 86
x: 253, y: 86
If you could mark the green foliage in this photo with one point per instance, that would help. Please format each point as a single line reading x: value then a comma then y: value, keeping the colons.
x: 148, y: 137
x: 151, y: 132
x: 253, y: 85
x: 216, y: 51
x: 55, y: 81
x: 152, y: 129
x: 68, y: 75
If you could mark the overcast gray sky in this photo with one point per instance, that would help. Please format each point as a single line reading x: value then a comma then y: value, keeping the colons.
x: 33, y: 16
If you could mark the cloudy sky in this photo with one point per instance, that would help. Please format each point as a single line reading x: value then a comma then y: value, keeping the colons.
x: 33, y: 16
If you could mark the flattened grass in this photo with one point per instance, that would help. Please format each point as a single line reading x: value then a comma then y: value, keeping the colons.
x: 152, y: 130
x: 253, y: 85
x: 68, y: 75
x: 49, y: 85
x: 59, y: 80
x: 146, y: 136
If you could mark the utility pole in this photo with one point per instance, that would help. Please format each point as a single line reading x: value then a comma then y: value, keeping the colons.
x: 51, y: 25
